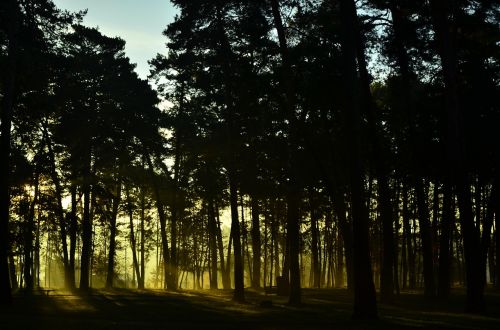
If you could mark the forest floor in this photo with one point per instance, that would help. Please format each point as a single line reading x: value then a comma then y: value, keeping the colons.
x: 155, y: 309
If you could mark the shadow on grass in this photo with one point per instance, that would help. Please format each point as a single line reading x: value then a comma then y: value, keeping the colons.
x: 155, y: 309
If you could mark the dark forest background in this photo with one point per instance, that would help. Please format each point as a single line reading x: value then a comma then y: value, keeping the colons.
x: 350, y: 143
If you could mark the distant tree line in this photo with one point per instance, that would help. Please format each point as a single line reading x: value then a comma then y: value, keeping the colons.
x: 353, y: 143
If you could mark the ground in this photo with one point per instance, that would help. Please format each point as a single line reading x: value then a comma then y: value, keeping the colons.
x: 154, y: 309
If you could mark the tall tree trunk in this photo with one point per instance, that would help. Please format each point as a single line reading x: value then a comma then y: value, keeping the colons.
x: 339, y: 257
x: 382, y: 170
x: 69, y: 281
x: 212, y: 232
x: 388, y: 257
x: 345, y: 228
x: 226, y: 57
x: 426, y: 237
x: 28, y: 238
x: 141, y: 276
x: 497, y: 244
x: 226, y: 282
x: 175, y: 211
x: 408, y: 239
x: 239, y: 289
x: 316, y: 272
x: 293, y: 189
x: 86, y: 227
x: 133, y: 244
x: 487, y: 224
x: 73, y: 224
x: 112, y: 233
x: 256, y: 244
x: 445, y: 243
x: 163, y: 227
x: 8, y: 91
x: 365, y: 304
x: 445, y: 37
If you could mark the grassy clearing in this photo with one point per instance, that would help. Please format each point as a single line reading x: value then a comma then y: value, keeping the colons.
x: 151, y: 309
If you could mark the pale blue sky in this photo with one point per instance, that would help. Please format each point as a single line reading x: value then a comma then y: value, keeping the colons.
x: 139, y: 22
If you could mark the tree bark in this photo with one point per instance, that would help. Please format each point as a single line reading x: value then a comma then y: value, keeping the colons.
x: 86, y: 227
x: 212, y: 232
x: 293, y: 189
x: 445, y: 243
x: 445, y: 37
x: 141, y: 279
x: 256, y: 244
x: 163, y: 226
x: 426, y: 237
x: 365, y: 304
x: 239, y: 289
x: 9, y: 87
x: 133, y: 244
x: 316, y: 272
x: 112, y: 234
x: 73, y: 224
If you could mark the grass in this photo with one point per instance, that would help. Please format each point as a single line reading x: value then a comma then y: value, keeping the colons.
x: 155, y: 309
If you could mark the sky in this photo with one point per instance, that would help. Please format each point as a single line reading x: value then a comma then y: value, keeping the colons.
x: 139, y: 22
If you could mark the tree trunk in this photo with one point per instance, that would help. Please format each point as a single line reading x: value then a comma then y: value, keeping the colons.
x: 365, y: 304
x: 141, y: 276
x: 133, y: 244
x: 72, y: 239
x: 445, y: 36
x: 175, y: 212
x: 316, y: 272
x: 28, y: 238
x: 163, y: 226
x: 8, y: 91
x: 226, y: 282
x: 239, y: 289
x: 86, y: 227
x: 112, y: 234
x: 256, y: 244
x: 445, y: 243
x: 497, y: 243
x: 293, y: 190
x: 385, y: 207
x: 426, y: 237
x: 212, y: 228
